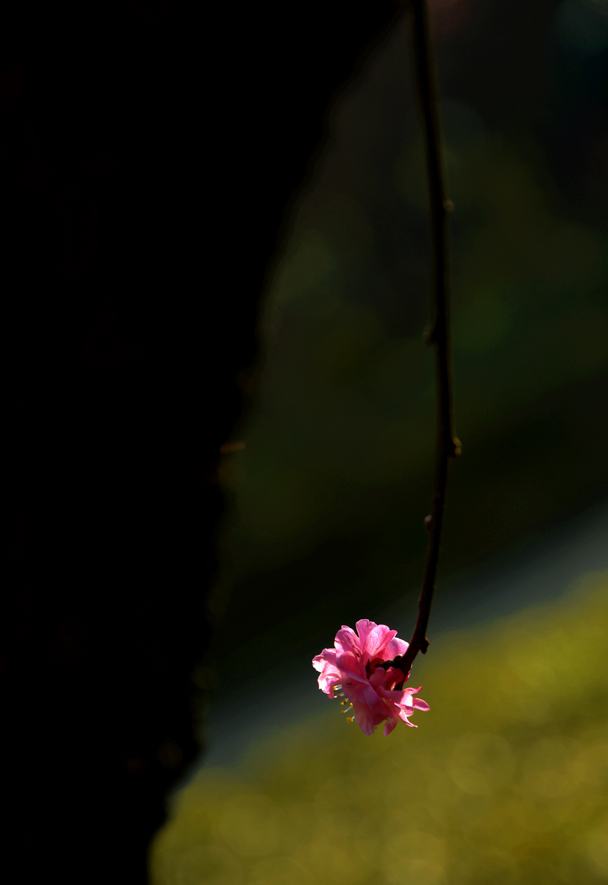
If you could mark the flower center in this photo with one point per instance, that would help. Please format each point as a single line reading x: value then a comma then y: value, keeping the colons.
x: 371, y: 666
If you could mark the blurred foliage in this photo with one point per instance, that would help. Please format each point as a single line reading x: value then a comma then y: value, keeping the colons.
x: 505, y: 780
x: 332, y: 488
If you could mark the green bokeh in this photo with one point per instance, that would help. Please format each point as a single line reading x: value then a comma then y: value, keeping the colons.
x: 336, y: 477
x: 505, y: 780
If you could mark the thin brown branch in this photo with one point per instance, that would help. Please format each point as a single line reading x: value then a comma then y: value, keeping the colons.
x: 448, y: 446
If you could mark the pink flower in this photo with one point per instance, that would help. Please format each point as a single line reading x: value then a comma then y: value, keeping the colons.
x: 352, y: 669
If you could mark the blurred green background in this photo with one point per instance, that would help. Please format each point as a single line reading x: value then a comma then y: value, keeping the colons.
x: 505, y: 779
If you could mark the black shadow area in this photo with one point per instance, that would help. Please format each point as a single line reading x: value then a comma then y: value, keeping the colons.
x: 148, y: 152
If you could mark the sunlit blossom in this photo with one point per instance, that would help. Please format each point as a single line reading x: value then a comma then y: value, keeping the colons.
x: 351, y: 670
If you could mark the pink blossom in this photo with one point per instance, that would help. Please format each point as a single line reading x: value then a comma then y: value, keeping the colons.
x: 352, y: 669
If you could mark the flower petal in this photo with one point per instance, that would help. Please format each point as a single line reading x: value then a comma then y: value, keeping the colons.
x: 329, y: 678
x: 364, y: 628
x: 366, y: 718
x: 347, y: 640
x: 351, y: 666
x: 395, y: 647
x: 376, y: 641
x: 385, y: 680
x: 390, y: 724
x: 327, y: 656
x: 419, y: 704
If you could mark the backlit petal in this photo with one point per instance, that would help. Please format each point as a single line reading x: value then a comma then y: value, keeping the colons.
x: 347, y: 640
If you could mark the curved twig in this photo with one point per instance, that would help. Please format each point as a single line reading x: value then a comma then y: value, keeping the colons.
x: 448, y: 446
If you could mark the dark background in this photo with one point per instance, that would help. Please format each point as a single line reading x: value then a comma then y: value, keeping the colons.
x: 148, y: 150
x: 153, y: 161
x: 329, y: 495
